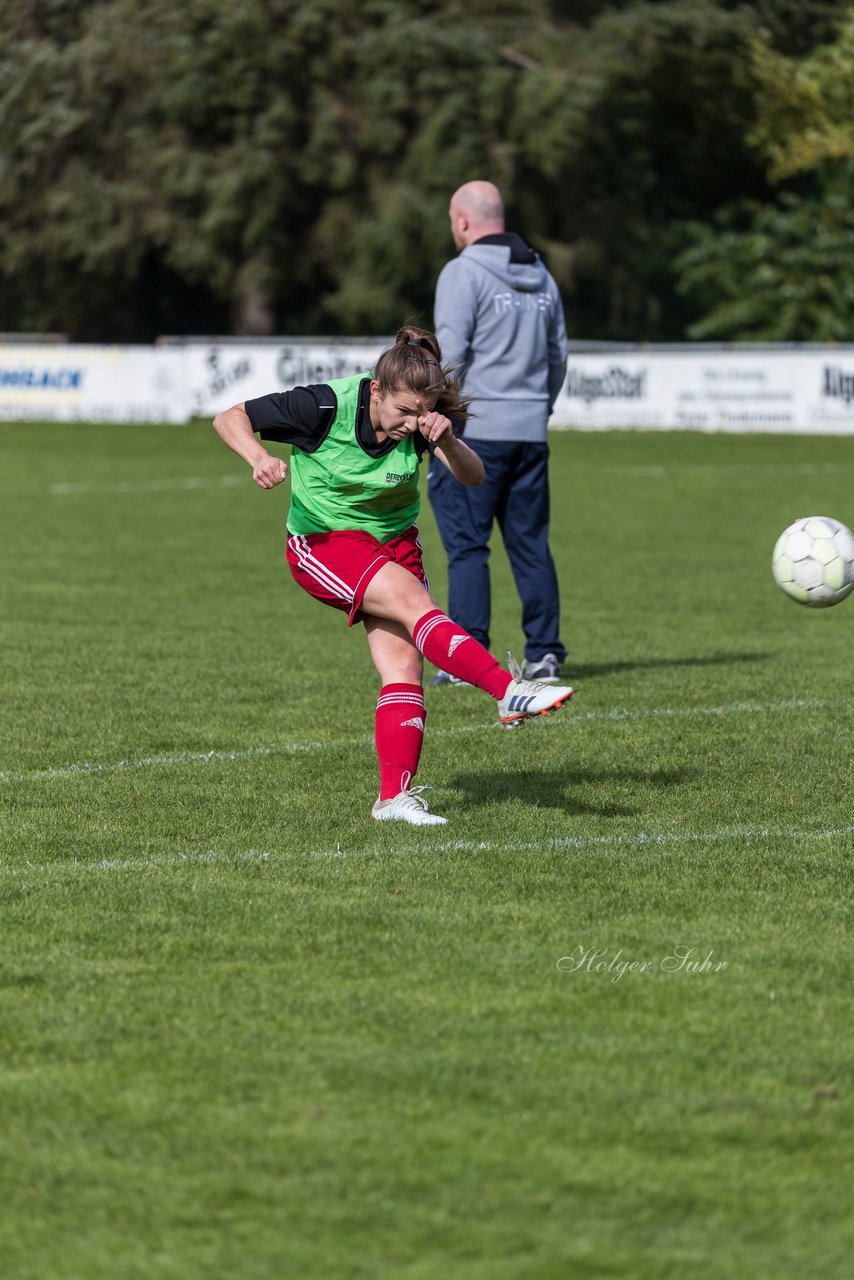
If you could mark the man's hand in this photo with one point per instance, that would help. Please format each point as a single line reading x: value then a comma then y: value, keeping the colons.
x: 269, y: 471
x: 435, y: 427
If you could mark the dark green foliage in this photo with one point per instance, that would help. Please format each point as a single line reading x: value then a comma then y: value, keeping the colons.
x: 285, y: 165
x: 274, y: 154
x: 782, y: 274
x: 647, y: 122
x: 796, y: 26
x: 782, y: 269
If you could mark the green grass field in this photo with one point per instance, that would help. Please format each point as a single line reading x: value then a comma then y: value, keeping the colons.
x: 247, y: 1033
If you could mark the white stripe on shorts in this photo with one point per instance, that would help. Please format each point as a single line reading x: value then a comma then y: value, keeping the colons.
x: 421, y: 553
x: 368, y: 570
x: 316, y: 569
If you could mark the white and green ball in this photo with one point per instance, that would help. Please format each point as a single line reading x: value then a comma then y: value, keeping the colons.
x: 813, y: 561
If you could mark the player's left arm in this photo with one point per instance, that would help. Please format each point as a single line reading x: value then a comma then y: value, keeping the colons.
x: 462, y: 462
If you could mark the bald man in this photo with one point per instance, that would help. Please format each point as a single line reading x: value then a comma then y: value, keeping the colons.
x: 499, y: 318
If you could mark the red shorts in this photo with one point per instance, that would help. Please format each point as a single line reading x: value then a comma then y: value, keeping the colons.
x: 336, y: 567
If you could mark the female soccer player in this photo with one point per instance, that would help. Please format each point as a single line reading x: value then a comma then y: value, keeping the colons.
x: 356, y: 444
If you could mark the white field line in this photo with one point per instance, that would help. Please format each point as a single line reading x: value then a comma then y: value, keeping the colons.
x: 84, y: 768
x: 639, y: 472
x: 144, y: 486
x: 648, y: 839
x: 182, y: 758
x: 559, y: 844
x: 654, y: 471
x: 62, y: 489
x: 195, y: 859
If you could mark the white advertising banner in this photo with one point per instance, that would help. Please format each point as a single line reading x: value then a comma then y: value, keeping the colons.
x: 737, y: 389
x: 728, y: 390
x: 218, y: 375
x: 69, y: 383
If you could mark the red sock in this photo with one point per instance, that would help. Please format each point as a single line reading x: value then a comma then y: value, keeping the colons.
x: 453, y: 650
x: 399, y: 733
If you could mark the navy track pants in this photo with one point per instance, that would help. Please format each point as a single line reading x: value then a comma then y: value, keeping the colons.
x: 515, y: 492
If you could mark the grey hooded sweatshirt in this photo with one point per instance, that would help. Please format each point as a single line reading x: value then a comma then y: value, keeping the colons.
x: 499, y: 321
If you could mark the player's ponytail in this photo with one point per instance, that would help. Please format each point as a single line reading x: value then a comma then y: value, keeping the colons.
x: 414, y: 364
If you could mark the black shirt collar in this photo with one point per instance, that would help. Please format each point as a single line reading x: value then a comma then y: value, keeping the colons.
x: 364, y: 429
x: 520, y: 250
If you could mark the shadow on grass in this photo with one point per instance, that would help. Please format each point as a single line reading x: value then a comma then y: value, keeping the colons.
x: 590, y: 670
x: 555, y: 791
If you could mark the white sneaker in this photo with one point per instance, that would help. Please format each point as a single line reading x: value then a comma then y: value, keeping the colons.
x: 444, y: 677
x: 545, y: 669
x: 527, y: 698
x: 407, y: 806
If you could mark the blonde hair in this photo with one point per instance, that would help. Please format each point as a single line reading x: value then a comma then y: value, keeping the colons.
x: 414, y: 364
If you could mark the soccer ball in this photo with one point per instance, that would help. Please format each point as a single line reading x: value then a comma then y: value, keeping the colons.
x: 813, y: 561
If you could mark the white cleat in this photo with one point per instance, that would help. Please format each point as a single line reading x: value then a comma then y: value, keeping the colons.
x: 407, y: 806
x: 527, y: 698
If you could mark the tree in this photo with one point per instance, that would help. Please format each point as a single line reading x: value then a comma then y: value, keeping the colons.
x: 285, y: 165
x: 783, y: 270
x: 277, y: 157
x: 643, y: 125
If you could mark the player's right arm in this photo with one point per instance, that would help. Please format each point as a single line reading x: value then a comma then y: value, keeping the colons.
x: 301, y: 417
x: 233, y: 426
